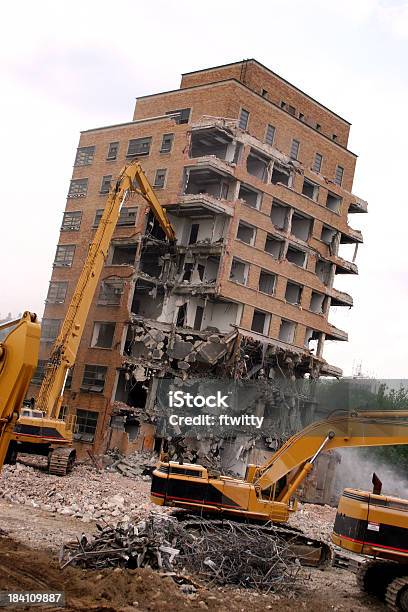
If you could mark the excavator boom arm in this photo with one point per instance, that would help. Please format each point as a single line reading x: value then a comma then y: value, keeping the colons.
x: 349, y: 431
x: 66, y: 346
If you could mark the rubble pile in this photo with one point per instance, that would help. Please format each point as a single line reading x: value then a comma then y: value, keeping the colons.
x: 86, y: 494
x: 314, y: 520
x: 137, y: 465
x: 221, y: 552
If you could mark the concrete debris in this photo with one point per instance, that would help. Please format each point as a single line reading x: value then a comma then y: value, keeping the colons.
x: 85, y: 494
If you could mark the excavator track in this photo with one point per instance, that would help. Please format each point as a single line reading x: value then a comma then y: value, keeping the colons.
x: 374, y: 577
x: 61, y: 461
x: 397, y: 594
x: 309, y: 552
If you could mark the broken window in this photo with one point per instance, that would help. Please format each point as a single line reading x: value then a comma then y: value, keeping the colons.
x: 257, y: 165
x: 266, y: 282
x: 283, y: 104
x: 106, y: 184
x: 318, y: 127
x: 312, y: 338
x: 301, y: 226
x: 270, y: 135
x: 182, y: 115
x: 50, y: 329
x: 243, y: 119
x: 139, y: 146
x: 198, y: 319
x: 287, y: 331
x: 317, y: 302
x: 251, y: 197
x: 167, y: 143
x: 246, y: 233
x: 296, y: 256
x: 147, y: 299
x: 203, y: 180
x: 293, y: 293
x: 71, y: 221
x: 317, y: 162
x: 160, y: 178
x: 310, y: 190
x: 264, y: 93
x: 84, y: 156
x: 334, y: 137
x: 338, y: 177
x: 333, y: 202
x: 323, y: 271
x: 78, y: 188
x: 102, y: 336
x: 113, y: 150
x: 94, y: 378
x: 211, y: 141
x: 239, y: 271
x: 64, y: 255
x: 294, y: 149
x: 57, y: 292
x: 111, y: 291
x: 280, y: 174
x: 39, y: 372
x: 181, y: 320
x: 86, y: 423
x: 192, y: 239
x: 124, y: 254
x: 279, y: 215
x: 260, y: 322
x: 328, y: 234
x: 274, y: 246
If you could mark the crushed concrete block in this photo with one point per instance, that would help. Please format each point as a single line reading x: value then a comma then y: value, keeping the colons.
x: 180, y: 349
x: 211, y: 352
x: 183, y: 365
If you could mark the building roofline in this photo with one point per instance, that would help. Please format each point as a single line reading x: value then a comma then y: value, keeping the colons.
x: 275, y: 74
x: 232, y: 80
x: 135, y: 121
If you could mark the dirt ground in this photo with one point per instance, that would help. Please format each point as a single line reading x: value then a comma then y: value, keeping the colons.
x: 31, y: 538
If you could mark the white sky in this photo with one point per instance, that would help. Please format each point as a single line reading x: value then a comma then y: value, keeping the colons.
x: 68, y: 66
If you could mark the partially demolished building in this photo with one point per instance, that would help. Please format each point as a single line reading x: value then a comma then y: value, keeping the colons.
x: 257, y: 180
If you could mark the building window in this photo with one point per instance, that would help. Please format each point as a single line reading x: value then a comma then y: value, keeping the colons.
x: 102, y: 335
x: 266, y: 282
x: 318, y: 127
x: 294, y: 149
x: 86, y: 423
x: 63, y: 413
x: 160, y: 178
x: 293, y: 293
x: 317, y: 163
x: 84, y: 156
x: 239, y: 271
x: 167, y: 143
x: 39, y: 373
x: 243, y: 119
x: 127, y: 216
x: 291, y: 110
x: 57, y: 292
x: 71, y: 221
x: 106, y: 184
x: 246, y: 233
x: 338, y: 177
x: 270, y: 134
x: 113, y: 150
x: 310, y: 189
x: 139, y: 146
x: 287, y: 331
x: 283, y: 104
x: 264, y: 93
x: 50, y: 329
x: 334, y: 137
x: 260, y: 322
x: 182, y: 115
x: 64, y: 255
x: 301, y: 117
x: 111, y: 291
x: 78, y: 188
x: 94, y: 378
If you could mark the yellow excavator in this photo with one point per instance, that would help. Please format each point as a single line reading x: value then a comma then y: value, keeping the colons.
x: 39, y: 430
x: 267, y: 491
x: 18, y: 360
x: 376, y: 526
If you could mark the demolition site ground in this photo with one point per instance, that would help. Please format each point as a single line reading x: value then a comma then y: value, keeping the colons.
x: 40, y: 513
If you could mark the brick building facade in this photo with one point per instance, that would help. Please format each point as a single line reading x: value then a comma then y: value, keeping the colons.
x: 257, y: 180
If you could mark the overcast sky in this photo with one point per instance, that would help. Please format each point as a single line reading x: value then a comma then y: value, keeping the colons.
x: 68, y: 66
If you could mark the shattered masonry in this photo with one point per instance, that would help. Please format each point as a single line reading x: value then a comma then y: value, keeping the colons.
x: 256, y: 178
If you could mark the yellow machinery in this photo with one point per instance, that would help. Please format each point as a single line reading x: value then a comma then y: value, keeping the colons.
x: 18, y: 360
x: 40, y: 430
x: 266, y: 493
x: 376, y: 525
